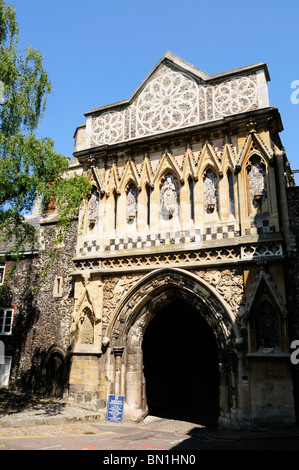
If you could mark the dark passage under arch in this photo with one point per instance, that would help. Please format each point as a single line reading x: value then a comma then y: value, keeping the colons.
x: 180, y: 361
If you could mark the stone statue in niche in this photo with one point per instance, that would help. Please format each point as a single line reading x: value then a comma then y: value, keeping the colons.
x: 169, y: 198
x: 210, y: 192
x: 131, y: 204
x: 257, y: 185
x: 87, y: 327
x: 86, y: 330
x: 93, y: 208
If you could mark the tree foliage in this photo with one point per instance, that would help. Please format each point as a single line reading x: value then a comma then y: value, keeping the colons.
x: 29, y: 166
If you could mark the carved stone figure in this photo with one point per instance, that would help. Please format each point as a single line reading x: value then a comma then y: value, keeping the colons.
x: 93, y: 208
x: 257, y: 185
x: 229, y: 284
x: 169, y: 198
x: 87, y: 327
x: 114, y: 289
x: 131, y: 203
x: 210, y: 192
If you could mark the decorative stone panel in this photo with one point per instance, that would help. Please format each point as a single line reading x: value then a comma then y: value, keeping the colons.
x: 172, y: 100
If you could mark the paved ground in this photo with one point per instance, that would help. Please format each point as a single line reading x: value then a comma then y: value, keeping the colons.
x: 32, y: 423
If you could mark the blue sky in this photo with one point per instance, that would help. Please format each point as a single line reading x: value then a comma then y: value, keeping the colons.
x: 97, y: 52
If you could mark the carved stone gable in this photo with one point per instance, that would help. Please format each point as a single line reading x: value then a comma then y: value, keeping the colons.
x: 173, y: 97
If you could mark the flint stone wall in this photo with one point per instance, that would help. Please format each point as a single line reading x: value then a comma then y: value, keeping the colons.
x: 42, y: 320
x: 292, y: 285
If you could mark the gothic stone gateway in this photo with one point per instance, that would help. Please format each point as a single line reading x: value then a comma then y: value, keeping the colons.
x: 189, y: 208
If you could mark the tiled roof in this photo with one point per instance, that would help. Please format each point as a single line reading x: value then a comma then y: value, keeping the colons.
x: 35, y: 222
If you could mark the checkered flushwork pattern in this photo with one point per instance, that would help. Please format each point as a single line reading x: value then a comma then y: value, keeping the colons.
x: 162, y: 239
x: 219, y: 232
x: 159, y: 239
x: 260, y: 226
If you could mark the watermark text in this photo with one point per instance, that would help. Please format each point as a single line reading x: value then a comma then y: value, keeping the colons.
x: 295, y: 93
x: 295, y: 354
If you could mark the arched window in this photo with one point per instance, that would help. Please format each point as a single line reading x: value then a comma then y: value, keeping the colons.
x: 115, y: 208
x: 231, y: 193
x: 266, y: 326
x: 191, y: 198
x: 210, y: 192
x: 148, y: 205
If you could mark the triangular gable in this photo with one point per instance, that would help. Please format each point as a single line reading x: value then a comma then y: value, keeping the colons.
x: 95, y: 178
x: 187, y: 68
x: 175, y: 95
x: 167, y: 163
x: 264, y: 278
x: 112, y: 182
x: 253, y: 138
x: 147, y: 174
x: 209, y: 157
x: 189, y: 166
x: 227, y: 155
x: 130, y: 173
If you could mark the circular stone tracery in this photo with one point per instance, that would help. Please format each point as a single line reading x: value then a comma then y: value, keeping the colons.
x: 167, y: 102
x: 108, y: 128
x: 234, y: 96
x: 171, y: 101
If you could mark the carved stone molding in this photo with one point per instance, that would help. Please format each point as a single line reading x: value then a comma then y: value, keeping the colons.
x: 114, y: 288
x: 250, y: 252
x: 159, y: 289
x: 229, y: 283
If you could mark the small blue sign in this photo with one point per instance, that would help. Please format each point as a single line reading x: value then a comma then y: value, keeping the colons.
x: 115, y: 408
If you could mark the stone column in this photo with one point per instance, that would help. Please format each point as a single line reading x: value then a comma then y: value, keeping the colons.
x: 224, y: 391
x: 134, y: 383
x: 283, y: 203
x: 118, y: 352
x: 244, y: 404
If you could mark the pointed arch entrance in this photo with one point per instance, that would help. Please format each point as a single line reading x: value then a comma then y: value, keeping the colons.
x: 181, y: 372
x: 173, y: 304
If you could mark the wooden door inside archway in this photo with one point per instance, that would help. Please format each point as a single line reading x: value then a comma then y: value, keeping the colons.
x: 180, y: 359
x: 55, y: 375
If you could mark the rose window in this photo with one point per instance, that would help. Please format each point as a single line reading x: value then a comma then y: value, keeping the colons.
x: 108, y: 128
x: 167, y: 102
x: 235, y: 96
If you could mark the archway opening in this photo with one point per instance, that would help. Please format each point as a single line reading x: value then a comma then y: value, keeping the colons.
x: 180, y: 358
x: 56, y: 375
